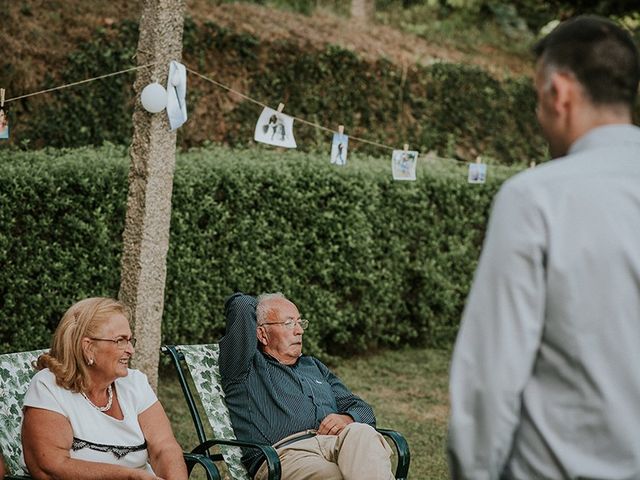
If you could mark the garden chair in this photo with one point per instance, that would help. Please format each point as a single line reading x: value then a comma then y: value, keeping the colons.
x: 202, y: 364
x: 16, y: 371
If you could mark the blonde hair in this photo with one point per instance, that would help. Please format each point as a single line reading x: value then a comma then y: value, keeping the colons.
x: 66, y: 359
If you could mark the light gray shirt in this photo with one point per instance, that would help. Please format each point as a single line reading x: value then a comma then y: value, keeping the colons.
x: 545, y: 375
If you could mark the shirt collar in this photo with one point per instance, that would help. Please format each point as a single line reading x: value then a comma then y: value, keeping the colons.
x: 607, y: 136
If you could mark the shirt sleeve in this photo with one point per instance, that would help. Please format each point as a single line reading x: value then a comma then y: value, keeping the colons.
x: 143, y: 394
x: 43, y: 392
x: 346, y: 401
x: 498, y: 338
x: 239, y: 344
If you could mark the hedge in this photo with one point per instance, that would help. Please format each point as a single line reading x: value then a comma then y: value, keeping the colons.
x: 371, y: 262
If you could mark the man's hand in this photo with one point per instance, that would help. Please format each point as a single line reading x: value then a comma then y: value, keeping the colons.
x: 333, y: 424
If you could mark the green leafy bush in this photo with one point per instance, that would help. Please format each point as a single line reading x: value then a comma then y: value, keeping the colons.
x: 370, y: 261
x: 61, y: 221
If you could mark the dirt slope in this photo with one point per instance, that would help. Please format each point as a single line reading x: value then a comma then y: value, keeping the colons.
x: 38, y: 34
x: 370, y: 41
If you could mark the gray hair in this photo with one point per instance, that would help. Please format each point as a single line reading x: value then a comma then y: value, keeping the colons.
x: 264, y: 308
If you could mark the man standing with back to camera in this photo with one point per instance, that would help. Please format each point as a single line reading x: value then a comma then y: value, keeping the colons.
x: 545, y: 376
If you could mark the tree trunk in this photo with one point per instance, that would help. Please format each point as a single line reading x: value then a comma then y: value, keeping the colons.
x: 146, y: 233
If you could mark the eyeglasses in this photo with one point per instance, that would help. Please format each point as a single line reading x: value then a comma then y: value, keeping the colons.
x: 121, y: 342
x: 289, y: 324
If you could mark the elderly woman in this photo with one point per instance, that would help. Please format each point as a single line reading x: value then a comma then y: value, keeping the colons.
x: 86, y: 414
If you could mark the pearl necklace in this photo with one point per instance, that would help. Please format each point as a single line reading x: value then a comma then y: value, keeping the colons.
x: 109, y: 402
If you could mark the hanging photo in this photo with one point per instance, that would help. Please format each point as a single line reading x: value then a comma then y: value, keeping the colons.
x: 275, y: 128
x: 477, y: 172
x: 4, y: 124
x: 403, y: 164
x: 176, y: 95
x: 339, y: 148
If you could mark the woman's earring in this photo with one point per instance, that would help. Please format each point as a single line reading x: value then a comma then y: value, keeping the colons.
x: 90, y: 361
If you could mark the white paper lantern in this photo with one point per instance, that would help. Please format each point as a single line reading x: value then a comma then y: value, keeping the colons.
x: 154, y: 98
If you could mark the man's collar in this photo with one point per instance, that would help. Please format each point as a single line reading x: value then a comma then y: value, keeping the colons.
x: 606, y: 136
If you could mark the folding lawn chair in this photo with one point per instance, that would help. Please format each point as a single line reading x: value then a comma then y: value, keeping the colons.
x: 16, y: 371
x: 202, y: 364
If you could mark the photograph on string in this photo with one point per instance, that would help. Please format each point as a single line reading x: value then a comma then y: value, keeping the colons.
x: 477, y: 173
x: 4, y: 124
x: 275, y: 128
x: 403, y: 164
x: 339, y: 148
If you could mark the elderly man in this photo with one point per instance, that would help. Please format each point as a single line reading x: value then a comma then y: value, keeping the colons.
x: 278, y: 396
x: 545, y: 377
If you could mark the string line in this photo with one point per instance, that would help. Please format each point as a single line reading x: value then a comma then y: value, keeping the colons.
x: 316, y: 125
x: 81, y: 82
x: 231, y: 90
x: 301, y: 120
x: 223, y: 86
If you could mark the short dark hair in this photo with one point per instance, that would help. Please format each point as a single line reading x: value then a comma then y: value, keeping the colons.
x: 601, y: 55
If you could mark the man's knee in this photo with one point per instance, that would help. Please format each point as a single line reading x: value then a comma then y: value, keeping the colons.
x: 361, y: 432
x: 363, y: 453
x: 361, y: 429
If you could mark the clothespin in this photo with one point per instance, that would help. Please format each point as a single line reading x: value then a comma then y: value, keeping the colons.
x: 280, y: 107
x: 478, y: 159
x: 532, y: 164
x: 1, y: 97
x: 406, y: 147
x: 341, y: 129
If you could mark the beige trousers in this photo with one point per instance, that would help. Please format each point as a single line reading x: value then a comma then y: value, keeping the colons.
x: 359, y: 452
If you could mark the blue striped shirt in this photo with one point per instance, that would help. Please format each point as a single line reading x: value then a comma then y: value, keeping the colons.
x: 268, y: 400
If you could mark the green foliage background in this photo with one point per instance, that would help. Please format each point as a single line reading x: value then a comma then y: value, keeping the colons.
x: 371, y: 262
x: 455, y: 110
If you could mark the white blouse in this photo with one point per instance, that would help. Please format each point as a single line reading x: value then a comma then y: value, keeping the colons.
x: 97, y: 437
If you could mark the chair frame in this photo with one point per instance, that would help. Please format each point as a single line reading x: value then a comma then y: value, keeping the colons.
x: 270, y: 454
x: 267, y: 451
x: 191, y: 459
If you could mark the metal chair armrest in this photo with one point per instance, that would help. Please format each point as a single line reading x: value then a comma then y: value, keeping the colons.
x: 268, y: 452
x: 193, y: 459
x: 402, y: 447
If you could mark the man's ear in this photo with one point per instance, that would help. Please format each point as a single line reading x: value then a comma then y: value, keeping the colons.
x: 263, y: 338
x: 562, y: 92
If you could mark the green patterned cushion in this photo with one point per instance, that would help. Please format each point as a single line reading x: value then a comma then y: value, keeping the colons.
x: 16, y: 371
x: 202, y: 361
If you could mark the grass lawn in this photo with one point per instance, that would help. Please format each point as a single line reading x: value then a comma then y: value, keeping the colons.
x: 407, y: 389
